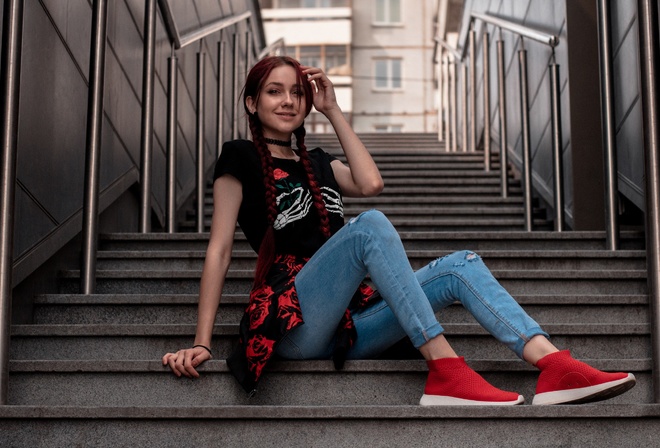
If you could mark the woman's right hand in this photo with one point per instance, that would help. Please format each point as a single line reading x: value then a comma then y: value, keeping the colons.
x: 186, y: 360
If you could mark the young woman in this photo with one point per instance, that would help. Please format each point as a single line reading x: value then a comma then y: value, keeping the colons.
x: 309, y: 301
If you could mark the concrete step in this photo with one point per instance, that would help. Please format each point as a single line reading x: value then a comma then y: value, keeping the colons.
x: 239, y: 281
x: 375, y: 383
x: 502, y: 259
x: 157, y: 309
x: 440, y: 223
x: 430, y: 240
x: 360, y: 425
x: 112, y: 342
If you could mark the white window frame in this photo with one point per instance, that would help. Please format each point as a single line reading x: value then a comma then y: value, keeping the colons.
x: 389, y: 79
x: 387, y: 20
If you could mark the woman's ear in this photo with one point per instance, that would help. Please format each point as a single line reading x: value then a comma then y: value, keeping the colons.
x: 251, y: 107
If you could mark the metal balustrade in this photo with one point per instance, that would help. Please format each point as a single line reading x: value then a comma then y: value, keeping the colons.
x: 469, y: 106
x: 649, y: 31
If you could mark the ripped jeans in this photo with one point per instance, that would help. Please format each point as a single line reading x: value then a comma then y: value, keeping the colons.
x: 369, y: 244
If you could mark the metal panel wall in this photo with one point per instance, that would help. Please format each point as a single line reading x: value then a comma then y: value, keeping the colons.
x: 627, y: 103
x: 550, y: 17
x: 53, y: 106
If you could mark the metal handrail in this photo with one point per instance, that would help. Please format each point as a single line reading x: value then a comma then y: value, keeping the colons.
x: 650, y: 94
x: 524, y: 31
x: 180, y: 41
x: 12, y: 32
x: 550, y: 40
x: 278, y: 44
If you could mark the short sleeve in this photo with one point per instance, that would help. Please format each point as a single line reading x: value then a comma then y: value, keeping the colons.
x: 232, y: 160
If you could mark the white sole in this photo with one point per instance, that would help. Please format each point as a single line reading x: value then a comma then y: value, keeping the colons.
x: 441, y: 400
x: 586, y: 394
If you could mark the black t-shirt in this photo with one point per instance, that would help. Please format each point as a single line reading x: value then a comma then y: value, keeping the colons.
x: 297, y: 228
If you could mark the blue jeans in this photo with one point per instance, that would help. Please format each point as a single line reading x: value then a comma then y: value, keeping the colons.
x: 369, y: 244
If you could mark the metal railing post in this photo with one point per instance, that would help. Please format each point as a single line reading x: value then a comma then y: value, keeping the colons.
x: 464, y: 99
x: 557, y: 141
x: 454, y: 108
x: 486, y: 63
x: 172, y: 94
x: 146, y: 140
x: 607, y: 117
x: 93, y: 147
x: 235, y: 92
x: 440, y: 98
x: 10, y: 74
x: 200, y: 178
x: 526, y: 156
x: 473, y: 90
x: 650, y: 88
x: 248, y: 65
x: 446, y: 102
x: 501, y: 84
x: 220, y: 125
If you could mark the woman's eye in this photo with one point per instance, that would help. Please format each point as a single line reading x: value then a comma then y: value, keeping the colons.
x: 273, y: 92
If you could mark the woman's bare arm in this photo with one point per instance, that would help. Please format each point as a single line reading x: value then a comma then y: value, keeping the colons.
x: 227, y: 197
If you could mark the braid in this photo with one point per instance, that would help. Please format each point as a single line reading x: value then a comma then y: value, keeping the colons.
x: 313, y: 184
x: 267, y: 248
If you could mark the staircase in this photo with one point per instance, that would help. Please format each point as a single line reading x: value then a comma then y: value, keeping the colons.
x: 87, y: 372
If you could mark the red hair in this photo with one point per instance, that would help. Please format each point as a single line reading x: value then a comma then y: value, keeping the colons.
x: 253, y: 85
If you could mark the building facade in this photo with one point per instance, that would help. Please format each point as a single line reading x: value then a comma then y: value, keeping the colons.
x: 378, y: 53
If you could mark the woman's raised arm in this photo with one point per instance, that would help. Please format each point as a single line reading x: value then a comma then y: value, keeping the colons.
x: 361, y: 178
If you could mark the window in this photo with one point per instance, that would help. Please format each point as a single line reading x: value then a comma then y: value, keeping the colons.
x: 387, y: 74
x: 304, y: 3
x: 331, y: 58
x: 335, y: 59
x: 391, y: 128
x: 388, y: 11
x: 310, y: 55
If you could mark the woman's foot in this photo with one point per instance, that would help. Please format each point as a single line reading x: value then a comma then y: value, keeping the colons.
x: 452, y: 382
x: 564, y: 380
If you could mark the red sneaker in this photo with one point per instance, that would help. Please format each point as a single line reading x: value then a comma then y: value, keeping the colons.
x: 564, y: 380
x: 452, y: 382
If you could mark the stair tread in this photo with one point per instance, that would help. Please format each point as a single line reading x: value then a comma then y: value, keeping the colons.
x: 192, y: 299
x: 467, y: 329
x: 527, y: 253
x: 402, y: 412
x: 249, y: 273
x: 317, y: 366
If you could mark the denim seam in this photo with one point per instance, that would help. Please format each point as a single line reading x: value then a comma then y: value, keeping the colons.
x: 287, y: 340
x: 409, y: 309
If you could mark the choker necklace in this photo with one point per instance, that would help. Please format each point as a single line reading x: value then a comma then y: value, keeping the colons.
x: 272, y: 141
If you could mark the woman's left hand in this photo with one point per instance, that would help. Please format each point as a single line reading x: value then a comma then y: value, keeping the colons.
x: 325, y: 99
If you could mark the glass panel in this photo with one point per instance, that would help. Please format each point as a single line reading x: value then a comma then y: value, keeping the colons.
x: 289, y: 3
x: 380, y: 79
x: 395, y: 11
x: 396, y: 73
x: 380, y: 11
x: 310, y: 55
x: 335, y: 58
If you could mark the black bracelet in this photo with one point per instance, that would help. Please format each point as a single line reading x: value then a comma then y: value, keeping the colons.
x: 205, y: 348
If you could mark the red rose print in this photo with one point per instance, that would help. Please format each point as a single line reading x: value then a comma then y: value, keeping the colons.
x: 258, y: 351
x: 280, y: 174
x: 258, y: 307
x: 289, y: 309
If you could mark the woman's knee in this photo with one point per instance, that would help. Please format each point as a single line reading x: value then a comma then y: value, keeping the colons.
x: 375, y: 223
